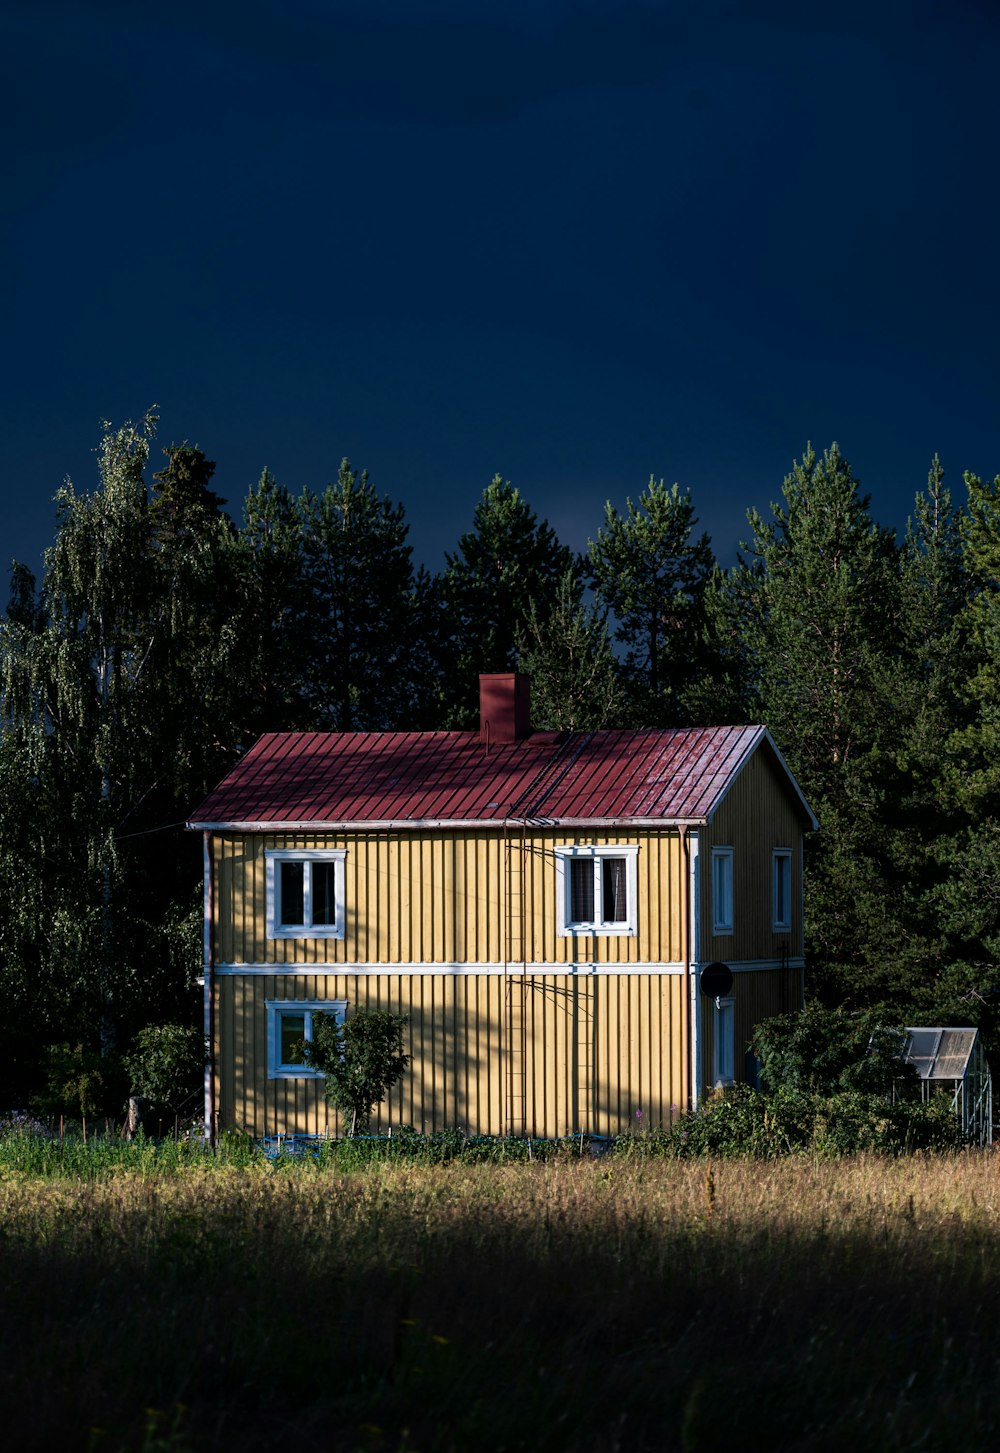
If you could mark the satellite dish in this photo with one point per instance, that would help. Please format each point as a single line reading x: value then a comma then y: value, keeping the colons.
x: 715, y: 980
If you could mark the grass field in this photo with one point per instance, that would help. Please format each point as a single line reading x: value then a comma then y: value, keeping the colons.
x: 573, y: 1304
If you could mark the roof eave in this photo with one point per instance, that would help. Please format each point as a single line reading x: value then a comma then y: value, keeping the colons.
x: 427, y: 824
x: 763, y: 735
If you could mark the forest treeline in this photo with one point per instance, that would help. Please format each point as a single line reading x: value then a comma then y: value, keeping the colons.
x: 165, y: 634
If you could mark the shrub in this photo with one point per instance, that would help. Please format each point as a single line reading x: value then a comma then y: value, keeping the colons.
x: 745, y: 1122
x: 166, y: 1064
x: 79, y: 1081
x: 362, y: 1059
x: 828, y: 1051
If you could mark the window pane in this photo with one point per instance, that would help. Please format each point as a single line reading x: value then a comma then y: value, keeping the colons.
x: 293, y: 1032
x: 725, y: 1058
x: 722, y: 889
x: 613, y: 884
x: 291, y: 893
x: 581, y: 879
x: 782, y: 875
x: 324, y: 901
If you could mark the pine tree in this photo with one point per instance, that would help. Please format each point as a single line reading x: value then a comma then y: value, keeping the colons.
x: 568, y: 656
x: 651, y: 572
x: 979, y: 743
x: 509, y: 562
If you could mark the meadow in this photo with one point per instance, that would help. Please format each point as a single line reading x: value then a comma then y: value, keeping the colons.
x: 183, y: 1302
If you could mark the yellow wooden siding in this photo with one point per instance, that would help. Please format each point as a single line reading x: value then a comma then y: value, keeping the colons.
x: 755, y: 817
x: 447, y: 898
x: 590, y: 1051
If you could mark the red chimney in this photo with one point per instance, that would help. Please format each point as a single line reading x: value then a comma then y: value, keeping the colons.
x: 504, y: 708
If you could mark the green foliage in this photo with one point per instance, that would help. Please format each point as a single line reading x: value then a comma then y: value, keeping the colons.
x: 979, y: 743
x: 166, y: 1064
x: 357, y: 610
x: 567, y: 654
x: 269, y: 572
x: 816, y: 599
x: 79, y: 1081
x: 49, y: 1155
x: 361, y: 1059
x: 652, y: 574
x: 744, y: 1122
x: 829, y: 1051
x: 818, y: 596
x: 116, y: 716
x: 182, y: 502
x: 508, y: 566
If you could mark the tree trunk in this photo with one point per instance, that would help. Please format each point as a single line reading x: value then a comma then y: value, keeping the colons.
x: 133, y: 1122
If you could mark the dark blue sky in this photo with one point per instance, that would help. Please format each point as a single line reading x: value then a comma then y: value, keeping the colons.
x: 575, y: 243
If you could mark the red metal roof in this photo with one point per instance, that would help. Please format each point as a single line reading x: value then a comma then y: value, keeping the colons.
x: 317, y: 779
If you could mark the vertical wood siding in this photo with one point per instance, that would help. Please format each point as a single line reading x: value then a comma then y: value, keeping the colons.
x: 591, y: 1051
x: 756, y: 816
x: 449, y: 898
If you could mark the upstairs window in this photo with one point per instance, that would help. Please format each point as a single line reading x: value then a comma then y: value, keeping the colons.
x: 781, y: 890
x: 596, y: 890
x: 722, y: 890
x: 305, y: 893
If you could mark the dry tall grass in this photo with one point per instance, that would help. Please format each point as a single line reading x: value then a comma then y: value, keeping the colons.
x: 570, y: 1305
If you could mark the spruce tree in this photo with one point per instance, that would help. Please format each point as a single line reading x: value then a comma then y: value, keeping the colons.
x: 271, y: 590
x: 816, y: 593
x: 357, y: 611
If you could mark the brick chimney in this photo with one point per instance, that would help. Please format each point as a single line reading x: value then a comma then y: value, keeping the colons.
x: 504, y: 708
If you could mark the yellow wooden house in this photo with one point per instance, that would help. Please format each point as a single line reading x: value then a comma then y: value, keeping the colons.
x: 582, y: 928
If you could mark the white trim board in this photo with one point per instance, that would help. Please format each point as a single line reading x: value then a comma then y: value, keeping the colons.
x: 519, y: 969
x: 455, y: 970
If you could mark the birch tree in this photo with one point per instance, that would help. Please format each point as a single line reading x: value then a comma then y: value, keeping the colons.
x: 89, y: 726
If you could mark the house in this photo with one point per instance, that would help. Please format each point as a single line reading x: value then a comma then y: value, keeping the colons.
x: 581, y: 927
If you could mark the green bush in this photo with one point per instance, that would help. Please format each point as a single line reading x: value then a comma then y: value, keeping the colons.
x: 166, y: 1065
x: 745, y: 1122
x: 829, y: 1051
x: 80, y: 1082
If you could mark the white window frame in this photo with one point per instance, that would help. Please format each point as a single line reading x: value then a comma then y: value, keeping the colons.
x: 276, y: 1070
x: 724, y: 1042
x: 781, y: 865
x: 723, y: 912
x: 565, y: 925
x: 274, y: 857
